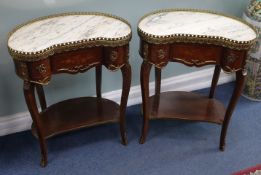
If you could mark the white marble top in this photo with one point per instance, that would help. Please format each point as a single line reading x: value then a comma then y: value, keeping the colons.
x: 196, y: 23
x: 45, y: 33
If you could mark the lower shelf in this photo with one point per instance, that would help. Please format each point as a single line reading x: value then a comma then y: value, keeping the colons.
x: 77, y: 113
x: 186, y: 106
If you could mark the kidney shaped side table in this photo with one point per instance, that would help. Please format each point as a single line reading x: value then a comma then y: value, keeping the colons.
x: 194, y: 38
x: 71, y: 43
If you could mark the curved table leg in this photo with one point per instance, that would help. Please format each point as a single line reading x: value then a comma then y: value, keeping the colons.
x: 32, y: 107
x: 126, y: 77
x: 144, y: 80
x: 41, y: 96
x: 157, y: 89
x: 214, y: 81
x: 157, y: 80
x: 240, y: 77
x: 98, y: 71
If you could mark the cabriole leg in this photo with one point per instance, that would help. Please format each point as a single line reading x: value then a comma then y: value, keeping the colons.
x: 32, y: 107
x: 41, y: 96
x: 157, y: 90
x: 98, y: 71
x: 144, y: 80
x: 214, y: 80
x: 157, y: 80
x: 126, y: 77
x: 240, y: 77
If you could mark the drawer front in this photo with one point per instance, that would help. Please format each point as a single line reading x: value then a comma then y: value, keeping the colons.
x: 76, y: 61
x: 233, y: 60
x: 115, y: 57
x: 196, y: 54
x: 21, y: 69
x: 156, y: 54
x: 40, y: 71
x: 37, y: 72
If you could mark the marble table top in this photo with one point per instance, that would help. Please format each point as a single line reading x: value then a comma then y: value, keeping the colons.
x: 45, y: 33
x: 196, y: 23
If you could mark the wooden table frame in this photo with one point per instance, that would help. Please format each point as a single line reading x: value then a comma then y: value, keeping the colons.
x: 190, y: 54
x: 72, y: 57
x: 38, y: 73
x: 196, y: 50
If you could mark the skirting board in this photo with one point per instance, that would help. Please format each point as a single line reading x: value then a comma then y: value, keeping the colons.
x: 186, y: 82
